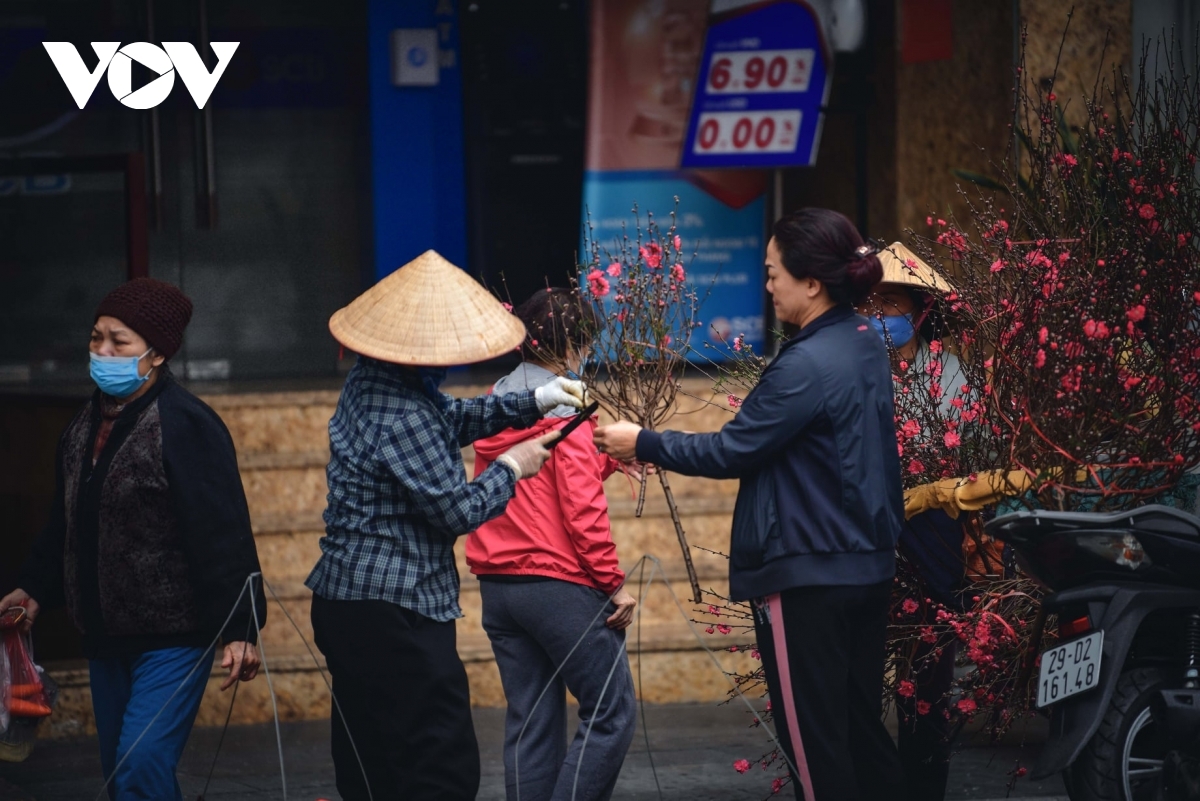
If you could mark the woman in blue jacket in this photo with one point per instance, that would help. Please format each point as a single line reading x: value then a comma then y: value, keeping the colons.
x: 818, y: 511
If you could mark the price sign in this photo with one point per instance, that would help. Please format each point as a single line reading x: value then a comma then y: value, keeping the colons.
x: 760, y: 71
x: 748, y: 132
x: 763, y: 82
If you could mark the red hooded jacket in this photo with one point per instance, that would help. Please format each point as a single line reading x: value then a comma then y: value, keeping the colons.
x: 557, y: 524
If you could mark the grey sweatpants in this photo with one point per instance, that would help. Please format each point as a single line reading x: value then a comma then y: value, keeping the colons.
x: 533, y: 627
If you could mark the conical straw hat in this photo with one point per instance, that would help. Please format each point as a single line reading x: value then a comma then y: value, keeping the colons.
x: 428, y: 313
x: 901, y: 266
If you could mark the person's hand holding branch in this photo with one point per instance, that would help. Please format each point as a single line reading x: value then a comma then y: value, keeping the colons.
x: 618, y: 440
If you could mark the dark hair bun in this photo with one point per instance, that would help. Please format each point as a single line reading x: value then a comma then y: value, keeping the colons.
x: 863, y: 273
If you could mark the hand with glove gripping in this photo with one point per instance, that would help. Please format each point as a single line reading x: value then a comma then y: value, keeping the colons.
x: 561, y: 392
x: 526, y: 458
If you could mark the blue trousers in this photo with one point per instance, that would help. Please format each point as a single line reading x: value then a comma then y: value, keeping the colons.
x: 127, y: 692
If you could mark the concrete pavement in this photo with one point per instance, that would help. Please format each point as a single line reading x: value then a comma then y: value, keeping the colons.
x: 693, y: 747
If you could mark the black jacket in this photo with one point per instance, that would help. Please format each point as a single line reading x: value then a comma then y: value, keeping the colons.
x: 814, y: 444
x: 151, y: 547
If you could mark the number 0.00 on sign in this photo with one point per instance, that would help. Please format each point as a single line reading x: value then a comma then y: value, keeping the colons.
x: 747, y: 132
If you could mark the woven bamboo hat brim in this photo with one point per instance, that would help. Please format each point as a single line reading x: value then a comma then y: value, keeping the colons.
x: 428, y: 313
x: 901, y: 266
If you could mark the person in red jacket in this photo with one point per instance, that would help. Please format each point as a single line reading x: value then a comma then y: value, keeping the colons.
x: 554, y: 606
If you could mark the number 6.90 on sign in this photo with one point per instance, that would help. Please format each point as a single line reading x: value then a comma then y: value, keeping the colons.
x: 747, y: 132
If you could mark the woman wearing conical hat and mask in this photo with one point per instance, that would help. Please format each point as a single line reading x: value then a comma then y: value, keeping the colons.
x: 385, y: 590
x: 901, y: 310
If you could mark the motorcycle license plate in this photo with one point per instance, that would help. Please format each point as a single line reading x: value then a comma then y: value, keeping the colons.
x: 1070, y: 669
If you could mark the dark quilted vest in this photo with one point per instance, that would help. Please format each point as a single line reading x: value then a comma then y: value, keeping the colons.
x: 142, y: 568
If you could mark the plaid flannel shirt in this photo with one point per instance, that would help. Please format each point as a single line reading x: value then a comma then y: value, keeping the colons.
x: 398, y: 491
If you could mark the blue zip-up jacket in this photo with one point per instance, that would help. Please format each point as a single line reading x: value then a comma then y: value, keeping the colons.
x: 814, y: 445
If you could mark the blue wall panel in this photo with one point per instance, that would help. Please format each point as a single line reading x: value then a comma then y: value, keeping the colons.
x: 417, y: 167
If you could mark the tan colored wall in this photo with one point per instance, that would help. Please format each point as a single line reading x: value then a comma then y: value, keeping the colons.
x: 1100, y: 36
x: 956, y: 113
x: 952, y: 114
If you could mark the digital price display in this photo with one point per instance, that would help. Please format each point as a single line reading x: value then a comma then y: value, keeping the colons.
x: 763, y: 82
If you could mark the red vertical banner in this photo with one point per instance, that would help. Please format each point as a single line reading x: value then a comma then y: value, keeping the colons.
x: 927, y: 31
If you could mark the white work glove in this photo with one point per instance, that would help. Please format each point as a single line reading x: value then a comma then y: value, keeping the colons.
x: 561, y: 392
x: 526, y: 458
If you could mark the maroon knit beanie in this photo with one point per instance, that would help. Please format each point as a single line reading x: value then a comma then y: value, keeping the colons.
x: 156, y: 310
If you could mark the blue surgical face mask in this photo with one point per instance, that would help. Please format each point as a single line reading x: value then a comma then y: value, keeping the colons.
x: 118, y: 376
x: 898, y: 326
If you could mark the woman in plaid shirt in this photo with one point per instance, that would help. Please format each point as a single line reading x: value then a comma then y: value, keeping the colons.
x: 385, y: 591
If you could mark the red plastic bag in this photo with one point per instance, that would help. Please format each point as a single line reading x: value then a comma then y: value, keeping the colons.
x: 24, y: 693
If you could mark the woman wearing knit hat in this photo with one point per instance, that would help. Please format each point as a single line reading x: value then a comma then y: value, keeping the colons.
x: 148, y: 544
x: 385, y: 591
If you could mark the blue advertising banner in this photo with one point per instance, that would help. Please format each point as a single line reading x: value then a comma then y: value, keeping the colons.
x: 726, y: 270
x: 644, y: 59
x: 763, y: 81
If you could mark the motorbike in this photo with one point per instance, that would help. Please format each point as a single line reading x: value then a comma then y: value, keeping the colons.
x: 1121, y: 685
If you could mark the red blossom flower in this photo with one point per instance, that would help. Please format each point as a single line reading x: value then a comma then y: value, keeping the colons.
x: 734, y: 401
x: 916, y: 467
x: 906, y: 689
x: 923, y: 707
x: 1136, y: 314
x: 598, y: 283
x: 651, y: 254
x: 910, y: 606
x: 507, y: 306
x: 911, y: 428
x: 677, y: 273
x: 997, y: 266
x: 614, y: 270
x: 966, y: 706
x: 721, y: 627
x: 678, y: 243
x: 776, y: 786
x: 741, y: 765
x: 1146, y: 211
x: 1040, y: 361
x: 952, y: 440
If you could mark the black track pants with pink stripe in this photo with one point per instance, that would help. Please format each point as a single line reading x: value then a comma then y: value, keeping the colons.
x: 823, y: 650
